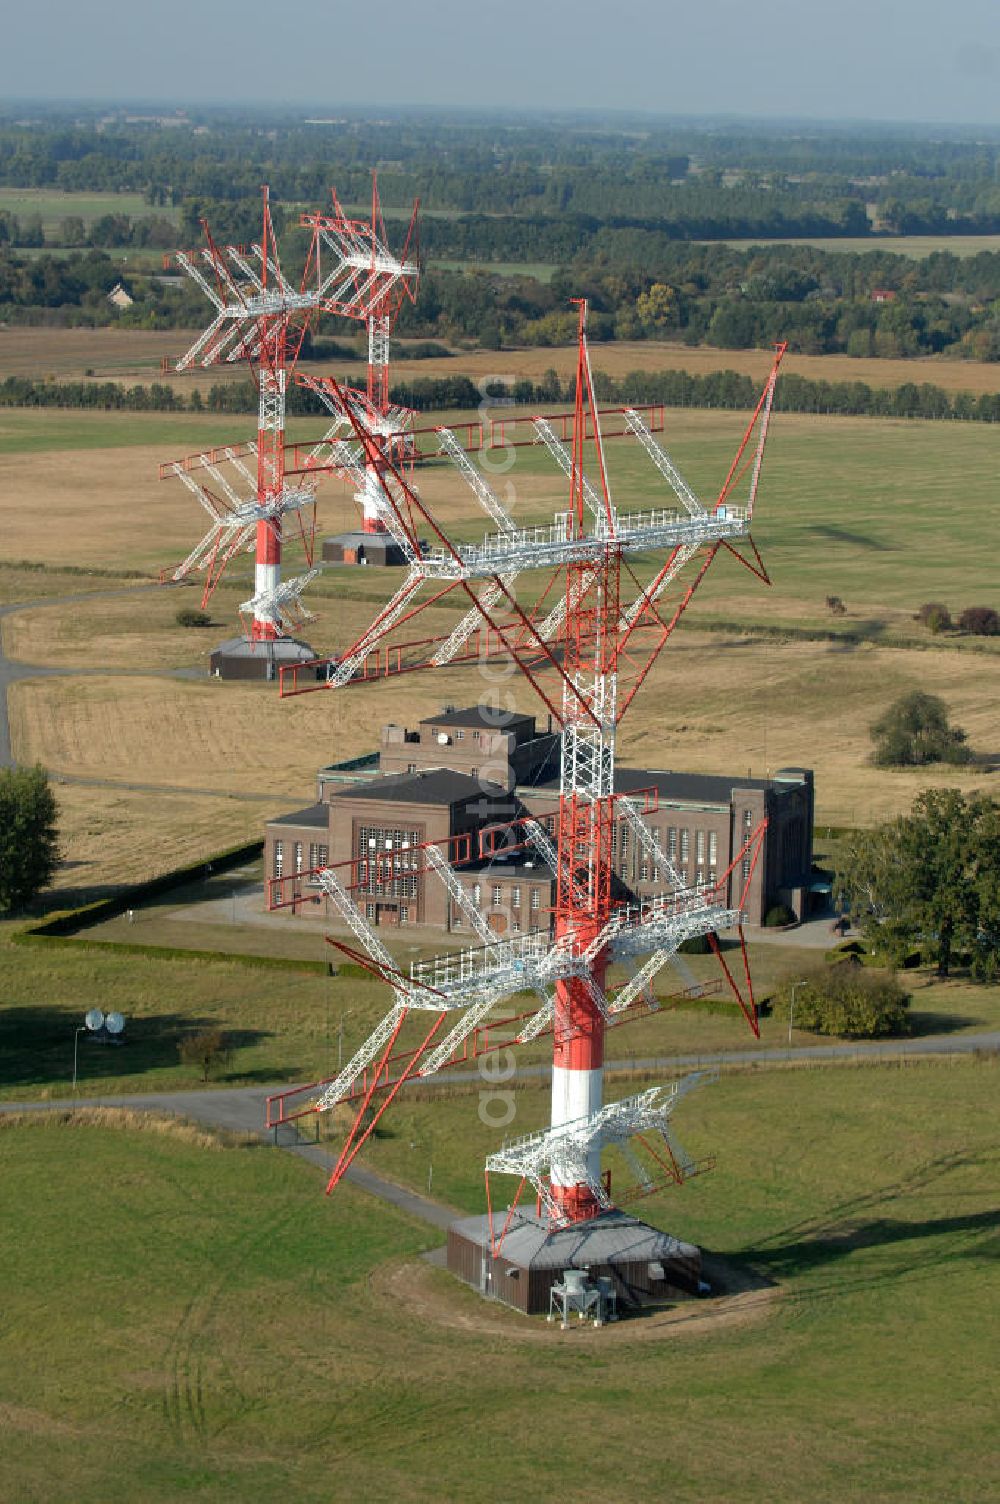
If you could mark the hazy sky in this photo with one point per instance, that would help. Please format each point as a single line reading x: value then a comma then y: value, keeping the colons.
x: 860, y: 59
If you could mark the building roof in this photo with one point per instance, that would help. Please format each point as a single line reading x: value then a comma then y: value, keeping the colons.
x: 280, y: 649
x: 613, y: 1238
x: 313, y: 814
x: 430, y: 786
x: 688, y: 788
x: 484, y: 716
x: 530, y: 871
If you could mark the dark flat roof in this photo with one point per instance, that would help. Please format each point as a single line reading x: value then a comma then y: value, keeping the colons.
x: 686, y: 788
x: 478, y: 715
x: 313, y: 814
x: 431, y: 786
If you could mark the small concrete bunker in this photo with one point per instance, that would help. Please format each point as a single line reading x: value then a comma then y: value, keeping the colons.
x: 644, y: 1265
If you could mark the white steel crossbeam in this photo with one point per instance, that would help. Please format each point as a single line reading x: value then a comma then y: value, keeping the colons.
x: 374, y: 1045
x: 571, y: 1145
x: 352, y: 661
x: 564, y: 460
x: 458, y: 894
x: 277, y: 605
x: 548, y: 546
x: 359, y: 927
x: 655, y: 855
x: 665, y: 465
x: 477, y: 485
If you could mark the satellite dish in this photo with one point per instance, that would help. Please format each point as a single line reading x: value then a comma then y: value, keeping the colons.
x: 94, y: 1019
x: 115, y: 1023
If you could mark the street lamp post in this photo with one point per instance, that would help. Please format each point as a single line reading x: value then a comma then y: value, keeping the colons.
x: 791, y: 1009
x: 76, y: 1045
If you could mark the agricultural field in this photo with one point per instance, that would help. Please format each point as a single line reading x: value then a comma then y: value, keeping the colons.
x: 849, y: 507
x: 135, y: 355
x: 245, y: 1349
x: 54, y: 206
x: 914, y: 246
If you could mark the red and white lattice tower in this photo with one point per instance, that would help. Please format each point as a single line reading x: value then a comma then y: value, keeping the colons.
x: 586, y: 657
x: 369, y: 284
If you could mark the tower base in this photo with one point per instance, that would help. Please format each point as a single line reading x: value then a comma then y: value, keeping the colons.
x: 645, y: 1265
x: 245, y: 658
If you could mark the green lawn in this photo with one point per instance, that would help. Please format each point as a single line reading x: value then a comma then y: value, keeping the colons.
x: 542, y: 271
x: 187, y: 1321
x: 54, y: 206
x: 915, y: 246
x: 286, y: 1025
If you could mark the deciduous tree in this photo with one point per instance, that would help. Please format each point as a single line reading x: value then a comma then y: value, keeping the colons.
x: 930, y: 880
x: 29, y: 846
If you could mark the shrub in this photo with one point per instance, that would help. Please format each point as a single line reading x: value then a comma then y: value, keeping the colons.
x: 850, y: 1001
x: 935, y: 616
x: 915, y: 731
x: 778, y: 915
x: 698, y: 945
x: 980, y: 621
x: 835, y: 605
x: 208, y: 1050
x: 188, y: 616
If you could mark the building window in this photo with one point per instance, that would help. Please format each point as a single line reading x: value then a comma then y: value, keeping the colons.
x: 614, y: 837
x: 460, y: 736
x: 387, y: 863
x: 748, y: 819
x: 298, y: 858
x: 497, y: 895
x: 699, y: 847
x: 473, y: 772
x: 477, y: 894
x: 745, y: 867
x: 515, y: 925
x: 672, y: 844
x: 713, y: 850
x: 411, y: 767
x: 404, y: 914
x: 319, y: 856
x: 370, y: 910
x: 515, y: 897
x: 644, y: 868
x: 685, y: 845
x: 279, y: 858
x: 536, y: 900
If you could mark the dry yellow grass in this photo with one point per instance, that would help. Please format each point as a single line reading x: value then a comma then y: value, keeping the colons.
x: 109, y: 835
x: 134, y: 355
x: 713, y: 703
x: 231, y: 737
x: 112, y: 354
x: 136, y: 629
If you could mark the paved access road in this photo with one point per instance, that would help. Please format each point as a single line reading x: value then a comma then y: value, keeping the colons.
x: 241, y: 1109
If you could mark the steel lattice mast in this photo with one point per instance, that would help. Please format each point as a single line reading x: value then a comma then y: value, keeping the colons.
x: 600, y: 655
x: 369, y: 284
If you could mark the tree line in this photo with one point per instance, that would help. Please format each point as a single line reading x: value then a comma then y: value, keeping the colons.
x: 714, y: 389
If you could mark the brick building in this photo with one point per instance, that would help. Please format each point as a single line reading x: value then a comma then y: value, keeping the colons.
x: 463, y: 769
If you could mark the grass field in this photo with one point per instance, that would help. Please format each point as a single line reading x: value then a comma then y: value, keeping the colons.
x: 285, y: 1025
x: 135, y: 355
x: 850, y: 507
x: 183, y: 1319
x: 914, y: 246
x: 54, y: 206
